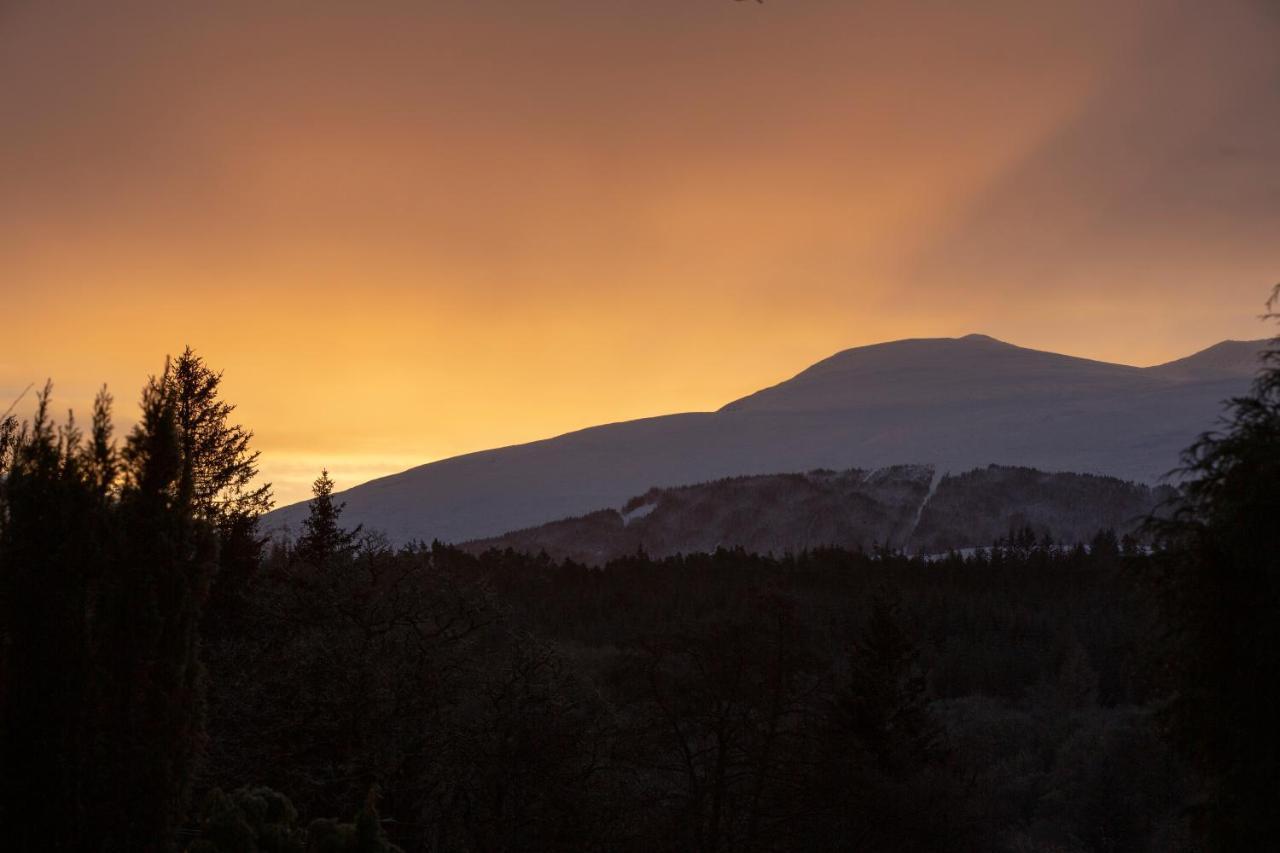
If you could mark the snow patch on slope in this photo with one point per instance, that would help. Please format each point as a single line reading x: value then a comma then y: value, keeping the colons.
x: 637, y: 513
x: 938, y: 474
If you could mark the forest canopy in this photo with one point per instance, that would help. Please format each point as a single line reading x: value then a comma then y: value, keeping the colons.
x: 172, y: 678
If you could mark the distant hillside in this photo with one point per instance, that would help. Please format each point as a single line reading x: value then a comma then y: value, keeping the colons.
x: 973, y: 509
x: 891, y: 507
x: 954, y: 403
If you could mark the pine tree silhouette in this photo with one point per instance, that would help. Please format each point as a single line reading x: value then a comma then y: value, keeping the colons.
x: 323, y: 538
x: 1222, y: 592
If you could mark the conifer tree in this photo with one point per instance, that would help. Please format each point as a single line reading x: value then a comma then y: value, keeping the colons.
x: 105, y: 564
x: 100, y: 457
x: 886, y: 786
x: 215, y: 467
x: 52, y: 532
x: 215, y: 475
x: 884, y: 708
x: 1222, y: 592
x: 322, y: 537
x: 152, y: 673
x: 214, y: 479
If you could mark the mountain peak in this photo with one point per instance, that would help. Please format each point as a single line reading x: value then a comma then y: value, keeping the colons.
x: 1225, y: 358
x: 957, y: 370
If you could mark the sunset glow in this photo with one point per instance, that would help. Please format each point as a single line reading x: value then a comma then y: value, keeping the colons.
x: 409, y: 231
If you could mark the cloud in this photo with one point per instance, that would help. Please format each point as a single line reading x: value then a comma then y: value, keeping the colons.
x: 1165, y: 183
x: 439, y: 227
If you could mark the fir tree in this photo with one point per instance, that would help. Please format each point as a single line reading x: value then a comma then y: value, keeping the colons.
x: 100, y: 457
x: 1221, y: 588
x: 323, y: 538
x: 215, y: 467
x: 105, y: 565
x: 884, y: 708
x: 53, y: 533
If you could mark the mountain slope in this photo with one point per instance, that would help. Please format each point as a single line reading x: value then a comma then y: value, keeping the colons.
x: 901, y: 507
x: 956, y: 404
x: 1225, y: 359
x: 764, y: 513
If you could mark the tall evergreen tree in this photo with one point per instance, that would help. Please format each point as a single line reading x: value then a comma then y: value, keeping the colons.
x: 886, y: 786
x: 884, y: 708
x: 53, y: 530
x: 105, y: 566
x: 100, y: 458
x: 214, y: 480
x: 215, y: 467
x: 323, y: 538
x: 1222, y: 592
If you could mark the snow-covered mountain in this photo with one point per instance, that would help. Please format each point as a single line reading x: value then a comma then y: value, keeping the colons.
x: 953, y: 403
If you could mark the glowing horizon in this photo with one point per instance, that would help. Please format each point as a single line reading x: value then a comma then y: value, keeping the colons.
x: 410, y: 233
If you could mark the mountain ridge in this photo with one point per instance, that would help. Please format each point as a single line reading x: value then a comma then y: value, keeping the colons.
x: 952, y: 403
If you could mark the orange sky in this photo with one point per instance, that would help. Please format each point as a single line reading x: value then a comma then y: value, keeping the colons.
x: 409, y: 230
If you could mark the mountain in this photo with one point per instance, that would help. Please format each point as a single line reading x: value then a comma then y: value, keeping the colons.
x: 953, y: 403
x: 763, y: 513
x: 903, y: 507
x: 1222, y: 360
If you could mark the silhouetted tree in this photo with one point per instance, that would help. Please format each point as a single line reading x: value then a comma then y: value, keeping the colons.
x: 100, y: 458
x: 884, y: 758
x: 1222, y: 587
x: 322, y: 537
x: 214, y: 480
x: 52, y: 532
x: 884, y: 707
x: 213, y: 465
x: 105, y: 565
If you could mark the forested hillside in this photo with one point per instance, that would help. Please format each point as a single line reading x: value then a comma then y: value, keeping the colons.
x: 906, y: 508
x: 715, y: 702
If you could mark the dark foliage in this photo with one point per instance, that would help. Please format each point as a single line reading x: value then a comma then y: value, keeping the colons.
x: 1017, y: 698
x: 1220, y: 583
x: 106, y: 560
x: 323, y: 539
x: 722, y: 701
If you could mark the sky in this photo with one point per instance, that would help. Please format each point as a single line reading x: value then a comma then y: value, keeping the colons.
x: 409, y: 230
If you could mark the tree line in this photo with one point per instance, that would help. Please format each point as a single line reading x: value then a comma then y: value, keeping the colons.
x: 173, y: 678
